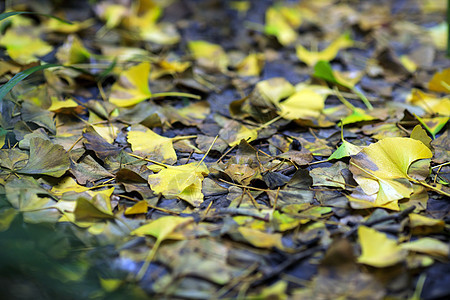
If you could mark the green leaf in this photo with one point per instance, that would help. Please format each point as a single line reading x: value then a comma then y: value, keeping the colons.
x: 324, y: 71
x: 4, y: 90
x: 46, y: 159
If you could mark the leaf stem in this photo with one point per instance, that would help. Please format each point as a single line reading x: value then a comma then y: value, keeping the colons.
x: 186, y: 137
x: 149, y: 160
x: 441, y: 165
x: 175, y: 94
x: 244, y: 186
x: 430, y: 187
x: 151, y: 254
x: 209, y: 149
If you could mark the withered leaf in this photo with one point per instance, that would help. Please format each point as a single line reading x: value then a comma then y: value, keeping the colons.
x: 46, y: 159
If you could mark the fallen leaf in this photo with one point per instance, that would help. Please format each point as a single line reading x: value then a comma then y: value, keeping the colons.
x: 132, y: 86
x: 92, y: 209
x: 184, y: 181
x: 153, y: 145
x: 440, y: 82
x: 428, y: 246
x: 425, y: 225
x: 303, y: 104
x: 312, y: 57
x: 251, y: 65
x: 346, y: 149
x: 430, y: 103
x: 261, y: 239
x: 46, y: 159
x: 72, y: 51
x: 382, y: 168
x: 208, y: 55
x: 329, y: 176
x: 278, y: 26
x: 140, y: 207
x: 24, y: 48
x: 233, y: 132
x: 418, y: 133
x: 377, y: 249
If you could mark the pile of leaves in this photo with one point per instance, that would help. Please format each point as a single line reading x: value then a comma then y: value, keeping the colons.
x: 223, y: 149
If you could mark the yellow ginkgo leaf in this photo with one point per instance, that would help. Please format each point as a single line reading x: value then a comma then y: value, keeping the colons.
x: 56, y: 25
x: 68, y: 184
x: 165, y: 67
x: 24, y: 48
x: 107, y: 131
x: 91, y: 209
x: 251, y: 65
x: 261, y: 239
x: 132, y: 86
x: 428, y: 246
x: 273, y: 90
x: 161, y: 33
x: 425, y: 225
x: 430, y: 103
x: 233, y: 132
x: 157, y: 147
x: 312, y: 57
x: 140, y: 207
x: 278, y: 25
x: 162, y: 229
x: 60, y: 105
x: 383, y: 168
x: 377, y: 249
x: 440, y: 82
x: 72, y: 51
x: 208, y: 55
x: 305, y: 103
x: 113, y: 14
x: 184, y: 181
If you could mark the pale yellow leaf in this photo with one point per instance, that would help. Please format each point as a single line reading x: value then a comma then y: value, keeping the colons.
x: 305, y: 103
x: 377, y: 249
x: 428, y: 246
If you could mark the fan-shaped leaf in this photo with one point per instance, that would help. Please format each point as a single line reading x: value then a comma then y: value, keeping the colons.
x: 46, y: 159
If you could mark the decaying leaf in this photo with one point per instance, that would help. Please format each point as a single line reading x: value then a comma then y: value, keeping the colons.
x: 46, y: 159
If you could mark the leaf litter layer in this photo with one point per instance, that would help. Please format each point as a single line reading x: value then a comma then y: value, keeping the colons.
x: 224, y: 149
